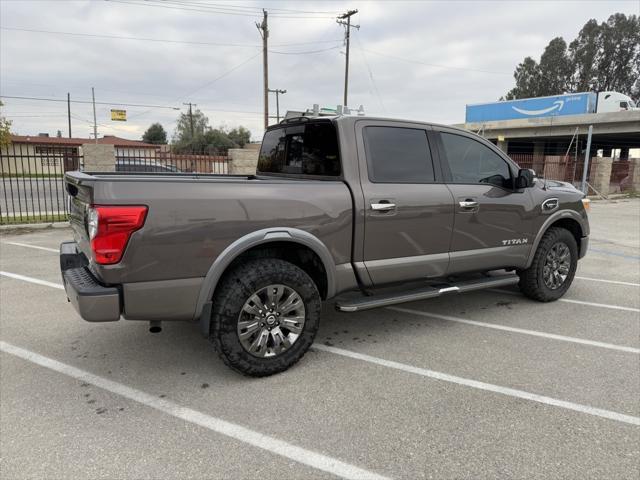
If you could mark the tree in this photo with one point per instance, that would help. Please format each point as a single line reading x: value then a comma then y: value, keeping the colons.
x: 5, y: 134
x: 555, y: 68
x: 189, y: 134
x: 618, y: 66
x: 527, y: 77
x: 217, y: 139
x: 240, y: 136
x: 584, y: 52
x: 155, y: 134
x: 604, y: 57
x: 205, y: 139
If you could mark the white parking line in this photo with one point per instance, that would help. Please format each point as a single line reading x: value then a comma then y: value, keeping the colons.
x: 232, y: 430
x: 601, y: 305
x: 32, y: 280
x: 512, y: 392
x: 505, y: 328
x: 579, y: 302
x: 154, y: 402
x: 28, y: 245
x: 615, y: 282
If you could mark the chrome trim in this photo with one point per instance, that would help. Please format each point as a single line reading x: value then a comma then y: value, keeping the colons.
x: 384, y: 300
x: 550, y: 205
x: 383, y: 207
x: 449, y: 289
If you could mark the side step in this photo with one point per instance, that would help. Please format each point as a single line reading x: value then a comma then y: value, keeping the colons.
x: 384, y: 300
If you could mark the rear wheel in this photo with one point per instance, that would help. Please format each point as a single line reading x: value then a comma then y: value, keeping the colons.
x: 553, y: 268
x: 266, y: 314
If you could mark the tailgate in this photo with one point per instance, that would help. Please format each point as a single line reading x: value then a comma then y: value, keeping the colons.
x: 79, y: 187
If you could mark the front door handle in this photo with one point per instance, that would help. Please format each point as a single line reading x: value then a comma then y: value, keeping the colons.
x: 383, y: 207
x: 468, y: 204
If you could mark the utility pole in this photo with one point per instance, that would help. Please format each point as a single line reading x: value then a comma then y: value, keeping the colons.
x: 95, y: 122
x: 347, y: 35
x: 264, y: 33
x: 587, y: 156
x: 277, y: 92
x: 191, y: 117
x: 69, y: 112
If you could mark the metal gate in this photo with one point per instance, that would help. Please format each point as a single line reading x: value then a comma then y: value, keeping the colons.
x: 32, y: 187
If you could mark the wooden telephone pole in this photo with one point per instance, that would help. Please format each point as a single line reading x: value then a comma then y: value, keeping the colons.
x: 347, y: 34
x: 277, y: 92
x: 264, y: 33
x: 191, y: 118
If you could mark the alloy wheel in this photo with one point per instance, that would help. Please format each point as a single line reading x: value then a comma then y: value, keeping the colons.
x: 271, y: 321
x: 556, y: 266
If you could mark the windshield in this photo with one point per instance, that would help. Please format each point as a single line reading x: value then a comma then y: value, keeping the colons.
x: 309, y: 149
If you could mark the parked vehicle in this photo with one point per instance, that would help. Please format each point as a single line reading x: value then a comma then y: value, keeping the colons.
x: 556, y: 105
x: 365, y: 212
x: 143, y: 165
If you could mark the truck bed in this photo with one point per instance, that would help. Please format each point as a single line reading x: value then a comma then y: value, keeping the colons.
x: 192, y: 218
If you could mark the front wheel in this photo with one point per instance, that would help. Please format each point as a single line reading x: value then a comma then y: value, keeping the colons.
x: 265, y: 317
x: 553, y: 268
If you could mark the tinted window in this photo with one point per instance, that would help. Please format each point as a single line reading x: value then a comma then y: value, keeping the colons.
x: 472, y: 162
x: 310, y: 149
x: 398, y: 155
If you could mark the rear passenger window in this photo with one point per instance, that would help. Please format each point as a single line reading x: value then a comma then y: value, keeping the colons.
x: 310, y: 149
x: 472, y: 162
x: 398, y: 155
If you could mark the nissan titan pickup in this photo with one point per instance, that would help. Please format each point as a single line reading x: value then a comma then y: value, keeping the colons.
x: 363, y: 212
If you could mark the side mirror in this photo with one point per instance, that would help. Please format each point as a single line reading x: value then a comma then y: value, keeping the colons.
x: 525, y: 178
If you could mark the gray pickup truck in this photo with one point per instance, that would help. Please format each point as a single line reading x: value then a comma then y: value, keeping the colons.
x: 366, y: 212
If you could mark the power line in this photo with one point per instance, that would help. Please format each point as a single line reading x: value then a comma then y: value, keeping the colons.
x: 87, y: 101
x: 208, y: 84
x: 159, y: 40
x: 373, y: 81
x: 248, y: 7
x: 202, y: 9
x: 305, y: 53
x: 247, y: 11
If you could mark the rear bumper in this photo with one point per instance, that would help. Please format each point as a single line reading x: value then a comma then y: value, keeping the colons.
x: 93, y: 301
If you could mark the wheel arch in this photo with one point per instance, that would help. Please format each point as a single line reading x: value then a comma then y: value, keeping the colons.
x: 269, y: 238
x: 567, y: 219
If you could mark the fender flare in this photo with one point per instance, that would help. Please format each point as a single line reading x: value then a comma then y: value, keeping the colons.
x: 559, y: 215
x: 260, y: 237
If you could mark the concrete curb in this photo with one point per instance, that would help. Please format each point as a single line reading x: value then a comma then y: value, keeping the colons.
x: 33, y: 226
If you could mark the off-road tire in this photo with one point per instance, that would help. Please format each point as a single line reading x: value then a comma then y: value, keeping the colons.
x: 232, y: 293
x: 531, y: 280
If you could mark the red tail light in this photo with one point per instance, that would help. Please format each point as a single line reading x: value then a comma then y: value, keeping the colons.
x: 110, y: 228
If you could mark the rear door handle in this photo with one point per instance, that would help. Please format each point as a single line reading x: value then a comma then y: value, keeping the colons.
x: 383, y: 207
x: 468, y: 204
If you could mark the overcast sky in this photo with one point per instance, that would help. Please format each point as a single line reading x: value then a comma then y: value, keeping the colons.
x: 418, y: 59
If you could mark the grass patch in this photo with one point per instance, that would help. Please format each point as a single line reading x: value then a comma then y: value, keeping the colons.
x: 33, y: 219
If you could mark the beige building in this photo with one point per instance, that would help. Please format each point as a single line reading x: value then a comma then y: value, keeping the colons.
x: 41, y: 154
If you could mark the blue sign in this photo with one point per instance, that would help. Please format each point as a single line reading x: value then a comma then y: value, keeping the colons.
x: 569, y: 104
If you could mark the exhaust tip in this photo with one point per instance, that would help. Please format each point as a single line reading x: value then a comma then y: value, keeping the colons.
x: 155, y: 327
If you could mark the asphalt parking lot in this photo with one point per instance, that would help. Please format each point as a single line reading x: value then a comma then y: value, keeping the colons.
x: 483, y: 385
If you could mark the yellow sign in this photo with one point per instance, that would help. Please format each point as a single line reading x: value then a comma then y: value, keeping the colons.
x: 500, y: 137
x: 118, y: 115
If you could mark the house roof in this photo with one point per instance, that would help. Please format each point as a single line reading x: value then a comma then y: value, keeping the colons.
x: 76, y: 142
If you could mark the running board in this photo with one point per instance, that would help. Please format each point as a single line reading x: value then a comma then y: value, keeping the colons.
x: 384, y: 300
